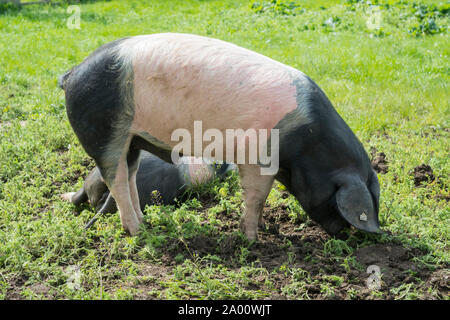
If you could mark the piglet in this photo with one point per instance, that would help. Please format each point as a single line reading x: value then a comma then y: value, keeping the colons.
x: 168, y: 180
x: 139, y: 92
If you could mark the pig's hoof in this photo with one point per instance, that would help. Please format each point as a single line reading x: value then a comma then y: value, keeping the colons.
x: 250, y: 233
x: 139, y: 216
x: 251, y: 236
x: 262, y: 224
x: 132, y: 228
x: 67, y: 196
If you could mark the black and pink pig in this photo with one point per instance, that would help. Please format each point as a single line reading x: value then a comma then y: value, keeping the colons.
x: 132, y: 94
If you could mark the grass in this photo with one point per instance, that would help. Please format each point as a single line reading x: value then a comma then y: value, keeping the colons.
x: 390, y: 84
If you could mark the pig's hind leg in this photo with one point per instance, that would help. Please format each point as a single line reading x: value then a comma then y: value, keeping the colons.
x: 256, y: 188
x: 100, y: 108
x: 133, y: 159
x: 116, y: 173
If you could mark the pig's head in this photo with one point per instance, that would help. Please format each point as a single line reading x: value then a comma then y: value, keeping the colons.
x: 96, y: 188
x: 327, y: 169
x: 336, y: 199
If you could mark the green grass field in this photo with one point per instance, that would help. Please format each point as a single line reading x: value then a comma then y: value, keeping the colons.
x: 388, y: 78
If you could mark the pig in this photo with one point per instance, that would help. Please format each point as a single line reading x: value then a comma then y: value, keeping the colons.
x: 169, y: 180
x: 133, y: 93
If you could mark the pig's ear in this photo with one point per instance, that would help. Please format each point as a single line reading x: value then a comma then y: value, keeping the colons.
x: 355, y: 204
x: 374, y: 188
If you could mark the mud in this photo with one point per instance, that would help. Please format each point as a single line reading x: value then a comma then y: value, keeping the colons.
x: 380, y: 164
x: 422, y: 175
x: 298, y: 244
x: 379, y: 161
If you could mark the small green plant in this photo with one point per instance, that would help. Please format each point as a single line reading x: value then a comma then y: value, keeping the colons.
x: 336, y: 247
x: 8, y: 7
x: 405, y: 291
x: 280, y: 7
x: 426, y: 26
x: 331, y: 23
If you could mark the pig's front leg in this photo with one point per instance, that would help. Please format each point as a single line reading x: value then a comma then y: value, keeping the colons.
x: 256, y: 187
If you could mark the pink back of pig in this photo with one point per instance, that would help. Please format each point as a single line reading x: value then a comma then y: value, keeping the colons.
x: 180, y: 78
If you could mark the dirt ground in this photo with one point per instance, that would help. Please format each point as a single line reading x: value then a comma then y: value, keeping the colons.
x: 295, y: 244
x: 396, y: 262
x: 306, y: 245
x: 305, y: 250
